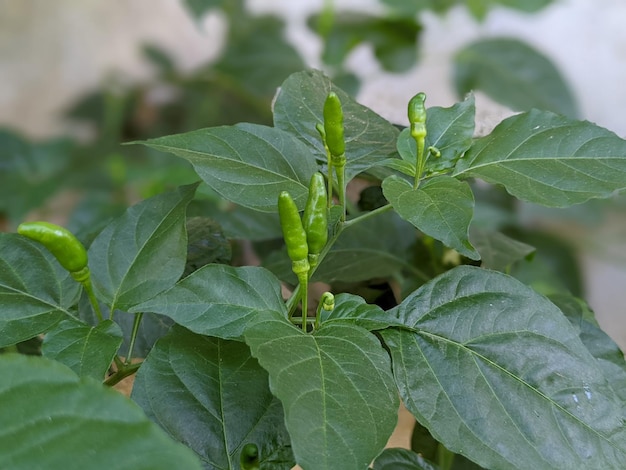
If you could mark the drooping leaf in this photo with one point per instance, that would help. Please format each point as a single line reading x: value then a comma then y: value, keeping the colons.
x: 219, y: 300
x: 336, y: 388
x: 87, y: 350
x: 514, y: 74
x: 211, y: 395
x: 486, y: 349
x: 498, y: 251
x: 548, y: 159
x: 35, y: 291
x: 450, y: 130
x: 599, y: 344
x: 401, y: 459
x: 441, y: 207
x: 142, y: 252
x: 52, y: 419
x: 298, y: 107
x: 247, y: 164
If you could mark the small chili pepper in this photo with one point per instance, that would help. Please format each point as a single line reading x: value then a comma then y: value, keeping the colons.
x: 297, y: 248
x: 59, y: 241
x: 417, y: 120
x: 333, y: 131
x: 315, y: 218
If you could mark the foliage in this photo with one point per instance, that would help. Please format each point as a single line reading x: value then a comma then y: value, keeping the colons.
x: 441, y: 299
x: 497, y: 374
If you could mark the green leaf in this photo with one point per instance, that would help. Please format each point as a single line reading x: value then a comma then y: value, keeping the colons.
x: 219, y: 300
x: 441, y: 207
x: 401, y: 459
x: 336, y: 388
x: 497, y: 251
x: 514, y: 74
x: 211, y: 395
x: 450, y: 130
x: 497, y: 374
x: 298, y: 107
x: 53, y: 419
x: 87, y: 350
x: 548, y: 159
x: 151, y: 328
x: 247, y: 164
x: 600, y: 345
x: 142, y: 252
x: 35, y: 291
x: 352, y: 309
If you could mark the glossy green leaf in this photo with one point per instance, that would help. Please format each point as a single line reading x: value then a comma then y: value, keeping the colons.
x: 298, y: 108
x: 440, y: 207
x: 247, y: 164
x: 87, y: 350
x: 514, y: 74
x: 53, y: 419
x: 600, y: 345
x: 142, y: 252
x: 336, y: 388
x: 35, y: 291
x: 211, y: 395
x: 450, y: 130
x: 497, y: 251
x: 548, y: 159
x: 219, y: 300
x: 401, y: 459
x: 486, y: 349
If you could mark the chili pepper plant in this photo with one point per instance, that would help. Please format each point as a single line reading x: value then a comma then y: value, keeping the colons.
x: 417, y: 299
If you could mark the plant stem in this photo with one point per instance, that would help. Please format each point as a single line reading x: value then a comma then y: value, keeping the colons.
x: 445, y: 458
x: 133, y: 337
x: 92, y: 299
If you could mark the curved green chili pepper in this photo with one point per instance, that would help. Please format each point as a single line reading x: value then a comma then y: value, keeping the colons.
x: 67, y: 249
x: 297, y: 247
x: 59, y: 241
x: 315, y: 218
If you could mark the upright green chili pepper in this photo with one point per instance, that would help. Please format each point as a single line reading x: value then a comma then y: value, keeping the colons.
x: 297, y: 248
x: 417, y: 120
x: 315, y: 218
x: 333, y: 130
x: 59, y: 241
x: 67, y: 249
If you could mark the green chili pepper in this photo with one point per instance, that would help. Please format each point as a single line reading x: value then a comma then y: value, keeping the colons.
x: 59, y: 241
x: 297, y: 247
x: 333, y: 131
x: 249, y: 457
x: 315, y: 218
x: 67, y: 249
x: 417, y: 120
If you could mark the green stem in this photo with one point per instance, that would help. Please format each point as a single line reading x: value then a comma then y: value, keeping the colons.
x: 340, y: 171
x: 92, y: 299
x: 445, y: 458
x: 133, y: 337
x: 421, y: 161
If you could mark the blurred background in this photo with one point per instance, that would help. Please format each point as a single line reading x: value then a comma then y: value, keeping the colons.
x: 77, y: 77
